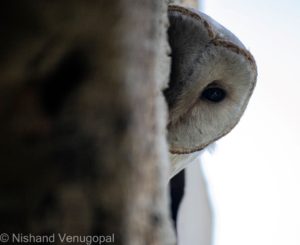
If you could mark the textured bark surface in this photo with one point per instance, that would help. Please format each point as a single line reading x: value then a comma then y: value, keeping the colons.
x: 82, y: 119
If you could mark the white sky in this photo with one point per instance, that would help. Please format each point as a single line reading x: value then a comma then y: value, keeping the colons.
x: 254, y: 174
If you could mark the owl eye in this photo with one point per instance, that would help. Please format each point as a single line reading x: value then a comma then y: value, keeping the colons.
x: 213, y: 94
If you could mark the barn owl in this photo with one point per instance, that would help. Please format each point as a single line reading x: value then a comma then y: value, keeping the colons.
x: 212, y: 79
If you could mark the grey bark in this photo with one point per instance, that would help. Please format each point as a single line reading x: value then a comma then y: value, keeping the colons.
x: 82, y: 119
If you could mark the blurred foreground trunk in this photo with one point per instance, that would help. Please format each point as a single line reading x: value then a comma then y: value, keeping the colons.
x: 82, y: 119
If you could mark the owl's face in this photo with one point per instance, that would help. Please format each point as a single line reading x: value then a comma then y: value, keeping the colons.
x: 212, y: 79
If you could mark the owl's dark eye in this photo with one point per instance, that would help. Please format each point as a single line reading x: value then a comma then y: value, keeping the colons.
x: 213, y: 94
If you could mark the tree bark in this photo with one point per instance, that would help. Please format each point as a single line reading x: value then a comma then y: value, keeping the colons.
x: 82, y: 146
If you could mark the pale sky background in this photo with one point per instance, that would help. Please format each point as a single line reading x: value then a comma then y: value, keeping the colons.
x: 254, y: 174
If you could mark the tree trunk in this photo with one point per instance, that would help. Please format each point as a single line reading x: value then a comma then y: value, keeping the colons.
x: 82, y: 146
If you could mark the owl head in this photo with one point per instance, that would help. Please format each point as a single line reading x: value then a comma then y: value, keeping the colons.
x: 212, y: 78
